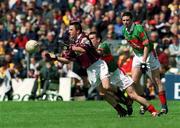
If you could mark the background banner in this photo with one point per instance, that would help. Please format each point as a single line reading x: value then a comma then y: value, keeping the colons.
x: 172, y: 85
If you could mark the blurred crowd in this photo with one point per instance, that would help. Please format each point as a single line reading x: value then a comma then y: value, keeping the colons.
x: 47, y: 22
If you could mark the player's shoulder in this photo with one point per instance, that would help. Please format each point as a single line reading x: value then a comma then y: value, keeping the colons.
x: 138, y: 26
x: 105, y: 44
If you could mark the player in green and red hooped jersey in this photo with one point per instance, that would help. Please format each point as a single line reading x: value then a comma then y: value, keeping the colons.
x: 118, y: 78
x: 143, y: 55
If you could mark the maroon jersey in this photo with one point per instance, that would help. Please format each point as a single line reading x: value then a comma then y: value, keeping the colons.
x: 84, y: 59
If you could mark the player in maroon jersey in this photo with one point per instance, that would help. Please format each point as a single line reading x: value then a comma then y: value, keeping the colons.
x: 83, y: 52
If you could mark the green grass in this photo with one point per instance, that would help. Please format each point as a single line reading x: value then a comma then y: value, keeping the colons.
x: 85, y: 114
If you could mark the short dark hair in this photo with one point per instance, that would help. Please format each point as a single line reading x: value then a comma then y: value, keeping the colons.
x: 127, y: 13
x: 77, y: 25
x: 97, y: 34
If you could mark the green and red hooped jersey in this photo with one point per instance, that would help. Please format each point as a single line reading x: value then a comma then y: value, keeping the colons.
x: 137, y: 38
x: 108, y: 57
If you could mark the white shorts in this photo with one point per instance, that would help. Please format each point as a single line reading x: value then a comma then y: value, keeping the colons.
x: 151, y: 60
x: 120, y: 79
x: 96, y: 72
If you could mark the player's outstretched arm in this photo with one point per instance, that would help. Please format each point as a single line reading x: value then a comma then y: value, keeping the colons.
x: 78, y: 49
x: 63, y: 60
x: 51, y: 56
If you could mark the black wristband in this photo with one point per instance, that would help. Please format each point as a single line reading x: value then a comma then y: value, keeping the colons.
x: 143, y: 68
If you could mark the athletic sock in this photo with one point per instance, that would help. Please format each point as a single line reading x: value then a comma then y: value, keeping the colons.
x: 122, y: 98
x: 162, y: 98
x: 151, y: 108
x: 119, y: 109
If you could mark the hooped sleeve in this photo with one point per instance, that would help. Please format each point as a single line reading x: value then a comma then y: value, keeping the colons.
x: 143, y: 36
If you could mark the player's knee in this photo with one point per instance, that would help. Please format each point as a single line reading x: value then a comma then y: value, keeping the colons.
x: 101, y: 93
x: 132, y: 95
x: 106, y: 87
x: 136, y: 83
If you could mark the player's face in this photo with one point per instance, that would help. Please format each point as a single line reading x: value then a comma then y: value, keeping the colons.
x: 72, y: 31
x: 126, y: 21
x: 94, y: 40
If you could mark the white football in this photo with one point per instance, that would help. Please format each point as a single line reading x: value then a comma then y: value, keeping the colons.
x: 32, y: 46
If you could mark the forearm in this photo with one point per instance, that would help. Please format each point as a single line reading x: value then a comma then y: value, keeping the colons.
x: 63, y: 60
x: 78, y: 49
x: 145, y: 55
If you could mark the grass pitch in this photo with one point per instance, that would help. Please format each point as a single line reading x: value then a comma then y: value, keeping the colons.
x: 84, y: 114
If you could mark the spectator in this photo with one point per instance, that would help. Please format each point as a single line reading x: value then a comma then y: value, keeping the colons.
x: 34, y: 64
x: 110, y: 32
x: 87, y: 24
x: 9, y: 61
x: 166, y: 11
x: 103, y: 6
x: 46, y: 12
x: 174, y: 29
x: 74, y: 14
x: 116, y: 6
x: 66, y: 18
x: 118, y: 28
x: 154, y: 38
x: 128, y: 5
x: 3, y: 32
x: 20, y: 71
x: 31, y: 18
x: 61, y: 5
x: 77, y: 4
x: 139, y: 12
x: 163, y: 44
x: 97, y: 17
x: 7, y: 21
x: 48, y: 74
x: 50, y: 44
x: 56, y: 20
x: 31, y: 74
x: 174, y: 7
x: 5, y: 79
x: 30, y: 32
x: 12, y: 31
x: 152, y: 8
x: 42, y: 31
x: 2, y: 48
x: 16, y: 52
x: 21, y: 39
x: 43, y: 59
x: 111, y: 16
x: 174, y: 50
x: 3, y: 9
